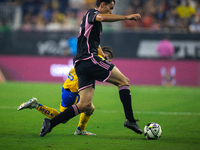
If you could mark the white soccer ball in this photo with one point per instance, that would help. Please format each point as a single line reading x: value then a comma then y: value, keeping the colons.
x: 152, y: 131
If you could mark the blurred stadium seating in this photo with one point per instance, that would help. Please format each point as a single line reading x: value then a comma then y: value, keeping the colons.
x: 56, y: 15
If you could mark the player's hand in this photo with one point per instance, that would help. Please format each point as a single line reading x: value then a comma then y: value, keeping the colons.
x: 135, y: 17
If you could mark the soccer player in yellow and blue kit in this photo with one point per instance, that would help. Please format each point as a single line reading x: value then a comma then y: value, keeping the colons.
x: 70, y: 96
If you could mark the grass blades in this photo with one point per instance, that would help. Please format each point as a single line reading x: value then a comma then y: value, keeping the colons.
x: 176, y: 109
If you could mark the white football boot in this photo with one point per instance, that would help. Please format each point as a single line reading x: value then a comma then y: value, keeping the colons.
x: 79, y: 132
x: 32, y: 103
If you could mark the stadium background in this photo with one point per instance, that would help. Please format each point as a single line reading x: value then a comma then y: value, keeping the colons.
x: 38, y: 40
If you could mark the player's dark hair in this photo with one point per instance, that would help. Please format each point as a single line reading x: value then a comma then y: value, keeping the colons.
x: 98, y: 2
x: 107, y: 49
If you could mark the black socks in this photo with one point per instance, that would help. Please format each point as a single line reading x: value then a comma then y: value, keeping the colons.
x: 125, y: 96
x: 69, y: 113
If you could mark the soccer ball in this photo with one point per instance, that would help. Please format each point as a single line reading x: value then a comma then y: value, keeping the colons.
x: 152, y: 131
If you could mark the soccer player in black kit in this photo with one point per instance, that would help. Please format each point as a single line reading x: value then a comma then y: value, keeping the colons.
x: 90, y: 67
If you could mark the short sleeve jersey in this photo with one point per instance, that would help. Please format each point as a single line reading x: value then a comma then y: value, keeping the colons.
x: 71, y: 82
x: 89, y: 36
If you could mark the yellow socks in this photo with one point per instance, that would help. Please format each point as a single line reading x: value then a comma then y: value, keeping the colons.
x: 49, y: 112
x: 84, y: 118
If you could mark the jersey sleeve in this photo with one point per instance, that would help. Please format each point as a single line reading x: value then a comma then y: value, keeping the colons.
x: 92, y: 15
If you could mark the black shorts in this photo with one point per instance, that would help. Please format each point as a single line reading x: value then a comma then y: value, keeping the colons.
x: 90, y: 70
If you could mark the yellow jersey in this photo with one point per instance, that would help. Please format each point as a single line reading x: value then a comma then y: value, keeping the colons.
x: 71, y: 82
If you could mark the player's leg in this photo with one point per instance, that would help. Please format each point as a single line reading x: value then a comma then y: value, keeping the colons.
x: 49, y: 112
x: 83, y: 120
x: 33, y: 103
x: 85, y: 104
x: 118, y: 79
x: 68, y: 99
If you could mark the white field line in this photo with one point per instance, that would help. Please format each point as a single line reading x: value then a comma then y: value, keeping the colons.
x: 136, y: 112
x: 152, y: 112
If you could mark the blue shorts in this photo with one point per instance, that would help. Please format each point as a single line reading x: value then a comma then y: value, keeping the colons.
x: 69, y: 98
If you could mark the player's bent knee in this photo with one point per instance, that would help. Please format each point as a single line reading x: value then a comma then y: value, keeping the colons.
x: 125, y: 81
x: 90, y: 111
x: 84, y: 107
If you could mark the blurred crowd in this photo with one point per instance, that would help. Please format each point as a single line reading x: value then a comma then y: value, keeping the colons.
x: 165, y: 15
x: 54, y: 15
x: 157, y: 15
x: 51, y: 15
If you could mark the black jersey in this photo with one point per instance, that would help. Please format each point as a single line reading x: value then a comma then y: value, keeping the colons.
x: 89, y: 36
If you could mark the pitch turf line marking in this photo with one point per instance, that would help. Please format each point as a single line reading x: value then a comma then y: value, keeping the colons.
x: 168, y: 113
x: 153, y: 112
x: 136, y: 112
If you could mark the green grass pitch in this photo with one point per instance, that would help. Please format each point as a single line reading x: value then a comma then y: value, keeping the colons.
x: 176, y: 109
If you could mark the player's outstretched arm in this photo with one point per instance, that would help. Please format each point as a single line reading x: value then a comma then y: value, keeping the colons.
x: 113, y: 18
x: 135, y: 17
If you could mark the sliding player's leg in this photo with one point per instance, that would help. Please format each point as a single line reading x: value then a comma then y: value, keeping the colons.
x: 33, y: 103
x: 68, y: 99
x: 49, y: 112
x: 118, y: 79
